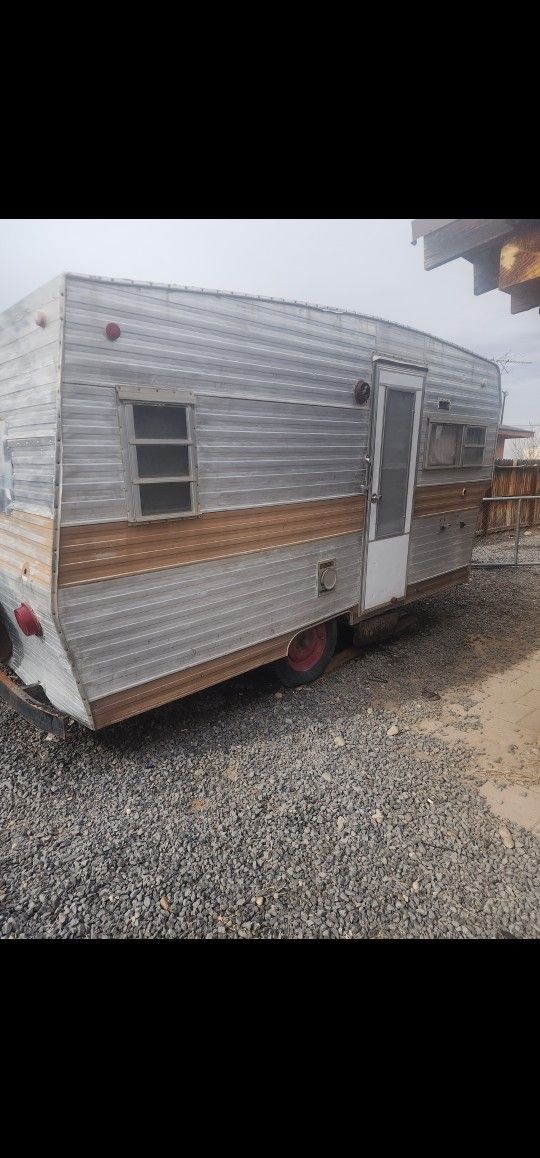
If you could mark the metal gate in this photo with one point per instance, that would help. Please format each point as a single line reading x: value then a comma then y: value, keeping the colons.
x: 515, y: 546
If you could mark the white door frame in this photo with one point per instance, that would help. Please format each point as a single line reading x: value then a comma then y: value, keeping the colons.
x: 386, y: 557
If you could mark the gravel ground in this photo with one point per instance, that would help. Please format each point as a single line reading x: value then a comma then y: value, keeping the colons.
x: 499, y: 547
x: 252, y: 812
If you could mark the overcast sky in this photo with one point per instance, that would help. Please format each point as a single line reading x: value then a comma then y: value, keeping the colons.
x: 365, y: 265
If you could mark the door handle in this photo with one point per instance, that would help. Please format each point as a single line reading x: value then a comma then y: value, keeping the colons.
x: 375, y: 497
x: 367, y: 473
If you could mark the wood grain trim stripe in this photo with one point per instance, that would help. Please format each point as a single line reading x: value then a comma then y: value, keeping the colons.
x: 109, y: 550
x: 437, y: 583
x: 155, y: 693
x: 443, y: 497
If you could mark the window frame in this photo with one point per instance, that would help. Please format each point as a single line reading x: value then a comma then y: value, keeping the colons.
x: 127, y: 398
x: 454, y: 420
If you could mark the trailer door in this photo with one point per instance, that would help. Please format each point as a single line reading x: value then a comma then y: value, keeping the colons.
x: 398, y: 405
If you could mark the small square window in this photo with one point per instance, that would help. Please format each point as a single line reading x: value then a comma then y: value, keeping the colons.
x: 452, y: 444
x: 159, y: 449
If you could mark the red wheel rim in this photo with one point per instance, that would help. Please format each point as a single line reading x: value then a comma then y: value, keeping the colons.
x: 307, y: 648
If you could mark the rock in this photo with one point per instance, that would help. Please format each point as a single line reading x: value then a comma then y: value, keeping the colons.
x: 377, y: 816
x: 326, y: 776
x: 506, y: 838
x: 393, y: 730
x: 429, y: 694
x: 164, y: 904
x: 278, y: 695
x: 198, y: 804
x: 259, y: 901
x: 231, y: 772
x: 340, y: 823
x: 339, y: 741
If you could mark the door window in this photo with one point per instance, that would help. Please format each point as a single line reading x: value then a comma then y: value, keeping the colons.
x: 395, y: 462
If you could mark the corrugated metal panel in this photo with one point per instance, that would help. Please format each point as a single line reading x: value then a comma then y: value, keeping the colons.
x: 253, y: 453
x: 249, y: 453
x: 237, y: 356
x: 29, y: 376
x: 32, y: 462
x: 126, y: 631
x: 29, y: 373
x: 271, y: 349
x: 433, y: 551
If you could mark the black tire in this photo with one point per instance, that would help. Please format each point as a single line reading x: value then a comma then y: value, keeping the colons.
x: 293, y: 678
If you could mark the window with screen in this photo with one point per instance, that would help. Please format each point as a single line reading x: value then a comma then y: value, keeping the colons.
x: 474, y: 440
x: 159, y: 450
x: 453, y: 444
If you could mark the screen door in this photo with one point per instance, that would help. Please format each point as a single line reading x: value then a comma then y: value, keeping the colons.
x: 389, y: 506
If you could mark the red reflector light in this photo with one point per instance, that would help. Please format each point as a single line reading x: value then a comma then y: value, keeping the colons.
x: 28, y: 622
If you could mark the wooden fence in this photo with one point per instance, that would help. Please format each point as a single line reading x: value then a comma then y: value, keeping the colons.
x: 510, y: 479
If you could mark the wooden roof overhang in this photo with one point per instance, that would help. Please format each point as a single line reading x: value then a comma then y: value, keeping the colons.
x: 505, y: 253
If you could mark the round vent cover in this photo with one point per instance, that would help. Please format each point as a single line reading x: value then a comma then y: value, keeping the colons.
x: 362, y: 391
x: 328, y: 578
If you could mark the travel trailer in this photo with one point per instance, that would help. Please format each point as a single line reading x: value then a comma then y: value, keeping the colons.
x: 196, y: 483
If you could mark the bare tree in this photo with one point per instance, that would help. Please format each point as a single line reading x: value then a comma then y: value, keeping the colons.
x: 527, y: 447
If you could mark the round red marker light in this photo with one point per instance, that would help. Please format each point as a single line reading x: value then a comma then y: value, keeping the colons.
x: 112, y: 331
x: 27, y: 620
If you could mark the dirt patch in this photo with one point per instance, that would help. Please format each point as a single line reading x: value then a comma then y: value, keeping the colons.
x: 485, y: 696
x: 514, y: 802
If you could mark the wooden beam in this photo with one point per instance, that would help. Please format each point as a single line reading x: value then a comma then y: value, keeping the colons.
x: 423, y: 225
x: 526, y: 296
x: 520, y: 260
x: 486, y: 268
x: 461, y: 236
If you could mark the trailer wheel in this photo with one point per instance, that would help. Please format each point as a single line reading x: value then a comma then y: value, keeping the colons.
x: 308, y: 655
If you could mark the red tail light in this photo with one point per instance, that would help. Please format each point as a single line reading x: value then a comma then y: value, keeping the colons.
x: 27, y: 620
